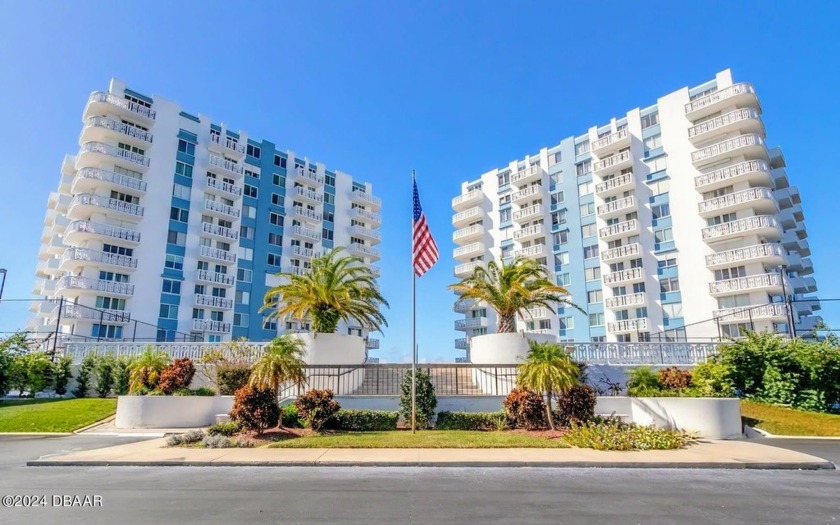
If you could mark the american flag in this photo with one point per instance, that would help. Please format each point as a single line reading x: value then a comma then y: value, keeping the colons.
x: 424, y: 248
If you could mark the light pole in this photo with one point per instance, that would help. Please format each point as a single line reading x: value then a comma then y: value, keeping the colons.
x: 3, y: 282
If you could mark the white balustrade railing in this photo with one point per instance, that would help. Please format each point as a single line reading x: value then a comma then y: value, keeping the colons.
x: 617, y: 205
x: 750, y: 282
x: 221, y: 208
x: 217, y: 253
x: 226, y: 164
x: 467, y: 268
x: 632, y: 274
x: 619, y: 228
x: 610, y: 139
x: 749, y: 313
x: 530, y: 191
x: 719, y: 95
x: 227, y: 143
x: 535, y: 209
x: 213, y: 301
x: 475, y: 247
x: 224, y: 186
x: 528, y: 231
x: 466, y: 215
x: 368, y: 215
x: 611, y: 161
x: 221, y: 231
x: 727, y: 146
x: 109, y: 176
x: 741, y: 225
x: 87, y: 254
x: 113, y: 151
x: 300, y: 251
x: 614, y: 183
x: 724, y: 120
x: 366, y: 197
x: 365, y: 232
x: 628, y: 325
x: 472, y: 195
x: 77, y: 311
x: 307, y: 213
x: 216, y: 277
x: 139, y: 109
x: 757, y: 251
x: 733, y: 199
x: 469, y: 231
x: 530, y: 251
x: 623, y: 301
x: 364, y: 250
x: 107, y: 202
x: 76, y: 282
x: 730, y: 172
x: 628, y: 250
x: 119, y: 127
x: 532, y: 171
x: 103, y: 229
x: 306, y: 232
x: 308, y: 175
x: 308, y: 194
x: 207, y: 325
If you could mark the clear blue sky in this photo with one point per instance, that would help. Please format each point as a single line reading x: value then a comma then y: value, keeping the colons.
x: 451, y: 89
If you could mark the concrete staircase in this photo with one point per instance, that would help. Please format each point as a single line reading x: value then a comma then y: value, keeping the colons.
x: 447, y: 382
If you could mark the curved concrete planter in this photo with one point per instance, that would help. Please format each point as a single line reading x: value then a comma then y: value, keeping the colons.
x: 170, y: 411
x: 335, y: 350
x: 501, y: 349
x: 709, y: 417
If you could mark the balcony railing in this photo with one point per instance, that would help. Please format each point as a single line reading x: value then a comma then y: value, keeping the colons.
x: 212, y: 301
x: 224, y: 186
x: 469, y: 231
x: 610, y: 139
x: 296, y: 270
x: 206, y: 325
x: 624, y: 301
x: 107, y: 202
x: 718, y: 96
x: 309, y: 175
x: 758, y: 251
x: 727, y: 146
x: 227, y: 143
x: 614, y: 183
x: 367, y: 197
x: 469, y: 249
x: 86, y: 254
x: 472, y: 322
x: 217, y: 253
x: 107, y: 230
x: 732, y: 117
x: 364, y: 250
x: 367, y: 215
x: 366, y: 232
x: 466, y: 215
x: 221, y: 231
x: 308, y: 214
x: 469, y: 197
x: 109, y: 98
x: 633, y: 274
x: 300, y: 251
x: 629, y: 250
x: 527, y: 173
x: 528, y: 231
x: 465, y: 306
x: 733, y: 199
x: 741, y: 225
x: 731, y: 172
x: 306, y: 232
x: 372, y: 343
x: 619, y: 228
x: 749, y: 313
x: 113, y: 151
x: 76, y: 311
x: 530, y: 191
x: 467, y: 268
x: 221, y: 208
x: 75, y: 282
x: 531, y: 251
x: 308, y: 194
x: 611, y: 161
x: 751, y: 282
x: 617, y: 205
x: 115, y: 178
x: 119, y: 127
x: 461, y: 343
x: 628, y: 325
x: 227, y: 165
x: 216, y: 277
x: 536, y: 209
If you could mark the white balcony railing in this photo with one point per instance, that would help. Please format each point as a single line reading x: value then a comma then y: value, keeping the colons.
x: 367, y: 197
x: 221, y: 231
x: 217, y: 253
x: 632, y: 274
x: 619, y: 228
x: 106, y: 230
x: 467, y: 268
x: 734, y: 199
x: 462, y: 343
x: 213, y: 301
x: 300, y: 251
x: 527, y: 173
x: 113, y: 151
x: 718, y: 96
x: 469, y: 197
x: 611, y: 161
x: 307, y: 213
x: 119, y: 127
x: 109, y: 98
x: 224, y: 186
x: 466, y: 215
x: 530, y: 211
x: 227, y: 143
x: 621, y: 252
x: 308, y: 194
x: 308, y: 175
x: 222, y: 208
x: 75, y: 282
x: 751, y: 313
x: 530, y: 251
x: 227, y: 165
x: 107, y: 202
x: 469, y: 231
x: 206, y: 325
x: 751, y: 282
x: 628, y: 325
x: 740, y: 226
x: 364, y: 250
x: 727, y: 146
x: 471, y: 322
x: 530, y: 191
x: 469, y: 249
x: 758, y: 251
x: 89, y: 255
x: 216, y: 277
x: 614, y: 183
x: 370, y: 233
x: 528, y: 231
x: 617, y: 205
x: 306, y: 232
x: 731, y: 172
x: 624, y: 301
x: 76, y: 311
x: 115, y: 178
x: 732, y: 117
x: 610, y: 139
x: 367, y: 215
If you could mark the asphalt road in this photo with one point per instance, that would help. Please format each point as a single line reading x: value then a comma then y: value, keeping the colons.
x: 367, y: 496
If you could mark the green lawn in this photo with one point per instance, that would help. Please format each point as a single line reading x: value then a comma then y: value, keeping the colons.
x: 48, y: 415
x: 788, y: 421
x: 423, y: 439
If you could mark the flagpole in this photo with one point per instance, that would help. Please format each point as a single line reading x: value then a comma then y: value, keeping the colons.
x: 413, y: 322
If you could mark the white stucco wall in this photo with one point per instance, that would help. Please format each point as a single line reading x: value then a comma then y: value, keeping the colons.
x: 504, y: 349
x: 170, y: 411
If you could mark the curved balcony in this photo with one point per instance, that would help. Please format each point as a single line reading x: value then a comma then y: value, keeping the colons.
x: 221, y: 232
x: 362, y: 250
x: 468, y: 251
x: 80, y: 231
x: 626, y: 301
x: 305, y: 175
x: 529, y: 232
x: 306, y: 214
x: 765, y: 282
x: 216, y: 254
x: 771, y: 312
x: 365, y: 199
x: 466, y: 200
x: 101, y: 155
x: 616, y: 185
x: 626, y: 326
x: 624, y: 276
x: 526, y: 194
x: 224, y: 166
x: 468, y: 234
x: 617, y: 207
x: 762, y: 225
x: 102, y: 102
x: 296, y: 270
x: 73, y: 285
x: 303, y: 233
x: 50, y: 268
x: 466, y: 217
x: 470, y: 323
x: 754, y: 172
x: 88, y: 179
x: 530, y: 252
x: 769, y: 255
x: 466, y: 269
x: 226, y: 146
x: 101, y: 129
x: 466, y: 306
x: 82, y: 313
x: 462, y: 344
x: 621, y: 253
x: 612, y: 142
x: 373, y: 219
x: 758, y: 199
x: 613, y: 163
x: 746, y: 120
x: 750, y: 146
x: 529, y: 174
x: 300, y: 251
x: 371, y: 343
x: 75, y: 257
x: 225, y: 189
x: 305, y: 194
x: 528, y: 213
x: 206, y: 325
x: 216, y: 278
x: 619, y: 229
x: 221, y: 210
x: 736, y: 95
x: 85, y: 204
x: 535, y: 313
x: 374, y: 236
x: 213, y: 301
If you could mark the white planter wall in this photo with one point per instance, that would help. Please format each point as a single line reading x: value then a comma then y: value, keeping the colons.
x: 336, y: 350
x: 170, y: 411
x: 501, y: 349
x: 710, y: 418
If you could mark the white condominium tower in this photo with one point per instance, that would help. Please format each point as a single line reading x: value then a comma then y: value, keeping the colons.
x: 673, y: 222
x: 169, y: 226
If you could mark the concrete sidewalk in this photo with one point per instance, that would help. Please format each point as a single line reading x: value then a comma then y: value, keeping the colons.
x: 707, y: 454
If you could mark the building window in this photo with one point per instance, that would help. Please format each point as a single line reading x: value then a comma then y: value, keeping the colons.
x: 250, y: 191
x: 730, y: 273
x: 672, y: 311
x: 168, y: 311
x: 582, y: 148
x: 592, y: 274
x: 179, y: 191
x: 270, y: 324
x: 589, y: 230
x: 273, y: 259
x: 596, y: 319
x: 276, y: 199
x: 663, y: 235
x: 278, y: 180
x: 171, y: 286
x: 650, y: 120
x: 329, y: 180
x: 561, y: 237
x: 253, y: 151
x: 244, y: 275
x: 584, y: 168
x: 240, y: 320
x: 279, y: 161
x: 110, y: 303
x: 327, y: 234
x: 253, y: 174
x: 666, y: 263
x: 561, y: 258
x: 176, y: 238
x: 585, y: 188
x: 505, y: 215
x: 107, y: 331
x: 661, y: 210
x: 246, y: 232
x: 594, y: 296
x: 556, y: 158
x: 186, y: 147
x: 652, y: 143
x: 183, y: 169
x: 275, y: 239
x: 243, y: 297
x: 246, y: 254
x: 504, y: 178
x: 590, y: 252
x: 179, y: 214
x: 587, y: 209
x: 174, y: 262
x: 275, y: 218
x: 563, y: 279
x: 669, y: 285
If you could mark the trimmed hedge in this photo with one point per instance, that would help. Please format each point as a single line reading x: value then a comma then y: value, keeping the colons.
x: 231, y: 378
x: 363, y: 420
x: 471, y: 421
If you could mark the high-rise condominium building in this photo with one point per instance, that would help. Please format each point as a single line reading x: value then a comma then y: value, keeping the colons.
x: 672, y: 222
x: 170, y: 226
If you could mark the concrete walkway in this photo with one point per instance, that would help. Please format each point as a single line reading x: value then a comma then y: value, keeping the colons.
x: 707, y: 454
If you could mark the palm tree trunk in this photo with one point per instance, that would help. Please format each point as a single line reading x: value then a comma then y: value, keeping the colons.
x: 548, y: 411
x: 507, y: 324
x: 280, y: 417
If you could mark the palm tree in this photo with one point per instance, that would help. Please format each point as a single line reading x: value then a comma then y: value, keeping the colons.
x: 511, y: 289
x: 547, y: 369
x: 335, y: 288
x: 145, y: 370
x: 281, y: 363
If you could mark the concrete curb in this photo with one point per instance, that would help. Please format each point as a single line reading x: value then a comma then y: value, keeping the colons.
x: 95, y: 424
x: 757, y: 433
x: 45, y: 434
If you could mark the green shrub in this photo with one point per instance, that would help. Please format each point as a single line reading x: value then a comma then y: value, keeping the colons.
x: 205, y: 391
x: 426, y: 400
x: 471, y: 421
x: 187, y: 438
x: 179, y: 374
x: 10, y: 347
x: 31, y: 373
x: 525, y: 409
x: 711, y: 378
x: 140, y: 391
x: 155, y: 392
x: 225, y: 429
x: 317, y: 407
x: 363, y: 420
x: 674, y: 378
x: 62, y: 373
x: 290, y: 418
x: 255, y: 408
x: 122, y: 375
x: 231, y: 378
x: 104, y: 375
x: 576, y: 405
x: 643, y: 381
x: 182, y: 392
x: 619, y: 436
